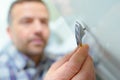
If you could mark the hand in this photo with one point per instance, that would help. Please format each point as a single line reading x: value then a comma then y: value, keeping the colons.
x: 75, y: 66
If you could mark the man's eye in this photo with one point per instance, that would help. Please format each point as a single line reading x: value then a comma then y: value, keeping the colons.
x: 44, y: 22
x: 28, y: 21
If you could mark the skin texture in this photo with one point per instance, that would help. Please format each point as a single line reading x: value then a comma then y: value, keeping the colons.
x: 29, y: 32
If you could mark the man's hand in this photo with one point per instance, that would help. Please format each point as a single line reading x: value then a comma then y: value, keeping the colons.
x: 75, y: 66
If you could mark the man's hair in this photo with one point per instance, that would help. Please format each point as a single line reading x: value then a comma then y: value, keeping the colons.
x: 19, y: 2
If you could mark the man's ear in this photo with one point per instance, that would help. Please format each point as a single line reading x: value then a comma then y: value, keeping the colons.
x: 9, y: 31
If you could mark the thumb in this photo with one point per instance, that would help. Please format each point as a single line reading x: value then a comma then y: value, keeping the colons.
x: 71, y: 67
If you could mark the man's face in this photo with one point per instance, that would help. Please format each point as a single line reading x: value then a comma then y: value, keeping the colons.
x: 29, y: 29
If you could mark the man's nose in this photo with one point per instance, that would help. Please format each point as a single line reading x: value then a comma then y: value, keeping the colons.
x: 38, y: 26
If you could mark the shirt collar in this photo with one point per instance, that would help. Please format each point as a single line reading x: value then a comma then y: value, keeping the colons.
x: 19, y: 59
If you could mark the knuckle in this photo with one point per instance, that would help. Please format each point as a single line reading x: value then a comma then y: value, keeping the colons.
x: 74, y: 67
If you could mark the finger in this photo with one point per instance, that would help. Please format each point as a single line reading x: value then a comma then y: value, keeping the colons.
x: 80, y: 55
x: 60, y: 62
x: 87, y: 71
x: 71, y: 67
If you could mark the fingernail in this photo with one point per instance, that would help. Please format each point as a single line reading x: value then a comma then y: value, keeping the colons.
x: 86, y: 46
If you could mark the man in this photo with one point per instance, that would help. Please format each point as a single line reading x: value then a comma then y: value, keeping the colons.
x: 24, y: 58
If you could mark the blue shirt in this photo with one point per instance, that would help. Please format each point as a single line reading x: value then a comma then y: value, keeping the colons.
x: 16, y: 66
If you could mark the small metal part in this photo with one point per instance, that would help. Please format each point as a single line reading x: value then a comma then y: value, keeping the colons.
x: 79, y: 33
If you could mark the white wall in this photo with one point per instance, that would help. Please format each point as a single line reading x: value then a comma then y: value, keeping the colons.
x: 4, y: 6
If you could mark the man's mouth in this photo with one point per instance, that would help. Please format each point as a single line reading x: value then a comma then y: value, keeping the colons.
x: 37, y: 41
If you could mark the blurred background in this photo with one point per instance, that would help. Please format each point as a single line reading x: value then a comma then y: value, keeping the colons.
x: 103, y: 20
